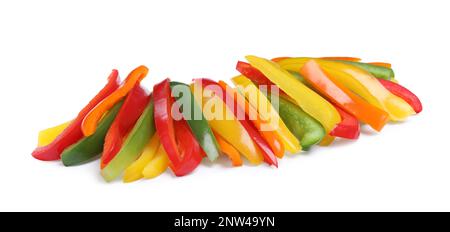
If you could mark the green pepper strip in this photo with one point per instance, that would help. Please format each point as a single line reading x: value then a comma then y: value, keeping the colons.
x: 197, y: 121
x: 90, y: 147
x: 378, y: 71
x: 133, y: 146
x: 307, y: 130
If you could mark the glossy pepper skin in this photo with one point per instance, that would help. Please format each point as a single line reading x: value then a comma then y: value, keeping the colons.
x: 308, y: 130
x: 225, y: 124
x: 289, y: 141
x: 132, y: 108
x: 133, y: 146
x: 343, y: 97
x: 157, y: 165
x: 89, y: 124
x: 378, y: 71
x: 403, y: 93
x: 182, y: 148
x: 89, y: 147
x: 134, y: 171
x: 196, y: 120
x: 268, y: 154
x: 48, y: 135
x: 73, y: 132
x: 348, y: 128
x: 361, y: 83
x: 230, y: 151
x: 311, y: 102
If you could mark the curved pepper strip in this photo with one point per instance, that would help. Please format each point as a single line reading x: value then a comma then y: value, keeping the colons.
x: 361, y: 83
x: 47, y: 136
x: 307, y: 129
x: 133, y: 146
x: 226, y: 125
x: 90, y: 121
x: 73, y: 132
x: 89, y: 147
x: 157, y: 165
x: 183, y: 150
x: 289, y: 141
x: 134, y: 171
x: 403, y: 93
x: 378, y: 71
x: 269, y: 135
x: 196, y: 121
x: 382, y: 64
x: 229, y: 150
x: 132, y: 108
x: 349, y: 128
x: 343, y: 97
x: 312, y: 103
x: 268, y: 154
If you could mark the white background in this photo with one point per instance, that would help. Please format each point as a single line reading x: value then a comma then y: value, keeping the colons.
x: 55, y: 55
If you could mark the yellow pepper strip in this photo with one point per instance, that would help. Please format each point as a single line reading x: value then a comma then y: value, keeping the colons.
x: 360, y: 82
x: 48, y: 135
x: 224, y: 123
x: 259, y: 101
x: 311, y: 102
x: 157, y: 165
x: 327, y: 141
x: 134, y: 171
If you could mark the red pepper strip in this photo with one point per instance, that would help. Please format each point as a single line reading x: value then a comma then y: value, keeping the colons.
x: 273, y: 140
x: 231, y: 102
x: 131, y: 110
x: 183, y: 150
x: 381, y: 64
x: 349, y: 127
x: 403, y: 93
x: 253, y: 74
x: 353, y: 59
x: 73, y: 132
x: 343, y: 97
x: 89, y: 124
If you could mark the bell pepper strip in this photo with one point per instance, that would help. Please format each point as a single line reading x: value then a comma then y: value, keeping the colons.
x: 307, y: 129
x: 157, y: 165
x: 89, y: 124
x: 230, y: 151
x: 343, y: 97
x: 403, y: 93
x: 252, y: 116
x: 342, y: 58
x: 48, y: 135
x: 349, y: 127
x: 132, y: 108
x: 224, y: 123
x: 133, y: 146
x: 182, y: 148
x: 73, y: 132
x: 381, y: 64
x: 268, y: 154
x: 361, y: 83
x: 290, y: 142
x: 134, y: 171
x: 196, y: 121
x: 327, y: 141
x: 311, y: 102
x: 90, y: 147
x: 376, y: 70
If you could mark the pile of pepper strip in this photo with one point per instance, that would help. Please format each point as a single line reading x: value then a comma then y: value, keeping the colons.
x: 137, y: 134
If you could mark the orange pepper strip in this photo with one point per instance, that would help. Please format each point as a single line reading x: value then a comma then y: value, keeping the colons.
x: 91, y: 120
x: 381, y: 64
x: 354, y: 59
x: 327, y: 141
x: 276, y: 59
x: 229, y: 150
x: 271, y: 137
x: 343, y: 97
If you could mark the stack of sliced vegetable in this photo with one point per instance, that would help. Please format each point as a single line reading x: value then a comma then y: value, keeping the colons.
x: 283, y: 105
